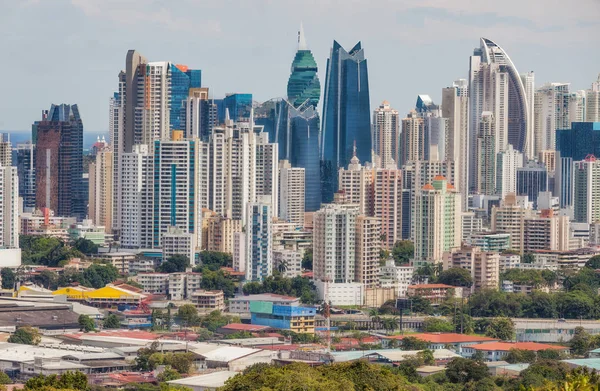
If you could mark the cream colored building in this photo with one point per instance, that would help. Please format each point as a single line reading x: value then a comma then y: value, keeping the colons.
x: 510, y: 218
x: 437, y: 221
x: 386, y: 135
x: 220, y: 231
x: 368, y: 245
x: 483, y: 266
x: 207, y: 301
x: 546, y: 232
x: 356, y: 183
x: 291, y: 193
x: 100, y: 208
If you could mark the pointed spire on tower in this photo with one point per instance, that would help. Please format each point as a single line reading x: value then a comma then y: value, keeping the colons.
x: 301, y: 40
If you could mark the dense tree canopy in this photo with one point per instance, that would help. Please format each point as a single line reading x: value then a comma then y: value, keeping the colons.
x: 300, y: 287
x: 174, y: 264
x: 26, y: 335
x: 456, y: 276
x: 437, y: 324
x: 45, y: 250
x: 218, y: 280
x: 85, y: 246
x: 8, y: 278
x: 403, y: 252
x: 214, y: 260
x: 111, y: 322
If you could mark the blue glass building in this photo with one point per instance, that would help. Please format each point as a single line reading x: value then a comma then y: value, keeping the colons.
x: 239, y: 106
x: 531, y: 179
x: 182, y: 79
x: 573, y: 145
x: 346, y: 115
x: 272, y: 115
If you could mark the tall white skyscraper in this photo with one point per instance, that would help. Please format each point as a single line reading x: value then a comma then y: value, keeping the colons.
x: 259, y: 240
x: 586, y: 189
x: 592, y: 102
x: 506, y: 171
x: 455, y: 107
x: 135, y: 205
x: 368, y: 233
x: 291, y: 193
x: 334, y: 241
x: 528, y: 80
x: 555, y: 108
x: 386, y: 135
x: 116, y: 125
x: 412, y: 139
x: 152, y: 114
x: 496, y: 86
x: 9, y: 207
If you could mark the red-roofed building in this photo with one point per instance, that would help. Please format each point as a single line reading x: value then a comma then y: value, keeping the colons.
x: 453, y: 341
x: 435, y: 293
x: 496, y: 351
x: 354, y: 343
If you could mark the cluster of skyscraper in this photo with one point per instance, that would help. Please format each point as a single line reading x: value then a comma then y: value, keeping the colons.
x: 181, y: 163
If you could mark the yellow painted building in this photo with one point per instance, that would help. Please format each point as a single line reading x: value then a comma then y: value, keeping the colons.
x: 104, y: 297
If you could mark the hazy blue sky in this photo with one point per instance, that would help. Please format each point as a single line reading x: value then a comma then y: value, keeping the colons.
x: 70, y: 51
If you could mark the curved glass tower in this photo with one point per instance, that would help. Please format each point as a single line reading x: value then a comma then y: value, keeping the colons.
x: 303, y: 84
x: 346, y: 114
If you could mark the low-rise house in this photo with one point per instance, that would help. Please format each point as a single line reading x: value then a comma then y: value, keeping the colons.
x: 453, y: 341
x: 435, y: 293
x: 207, y: 301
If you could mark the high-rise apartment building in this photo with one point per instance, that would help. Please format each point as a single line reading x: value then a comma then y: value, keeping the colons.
x: 486, y: 155
x: 356, y: 182
x: 386, y: 136
x: 509, y: 218
x: 506, y: 171
x: 346, y: 114
x: 25, y: 163
x: 334, y: 241
x: 592, y: 102
x: 412, y: 139
x: 437, y: 221
x: 198, y: 114
x: 368, y: 233
x: 528, y: 80
x: 259, y: 240
x: 135, y: 205
x: 552, y: 111
x: 100, y: 205
x: 496, y: 86
x: 586, y: 189
x: 291, y: 193
x: 221, y: 231
x: 9, y: 207
x: 387, y: 205
x: 59, y: 161
x: 455, y: 108
x: 546, y: 232
x: 5, y: 150
x: 484, y: 266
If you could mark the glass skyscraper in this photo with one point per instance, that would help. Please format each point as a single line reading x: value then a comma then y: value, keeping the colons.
x: 182, y: 79
x: 346, y: 115
x: 239, y: 106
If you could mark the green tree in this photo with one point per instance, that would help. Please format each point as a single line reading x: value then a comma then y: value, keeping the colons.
x: 456, y: 276
x: 462, y: 370
x: 85, y: 246
x: 214, y: 260
x: 205, y: 335
x: 67, y: 381
x: 540, y: 305
x: 403, y: 252
x: 515, y: 356
x: 111, y: 322
x: 412, y: 343
x: 98, y: 275
x: 46, y: 279
x: 489, y: 303
x: 5, y: 379
x: 462, y: 322
x: 433, y: 325
x: 307, y: 259
x: 8, y: 278
x: 188, y: 314
x: 420, y: 305
x: 593, y: 262
x: 574, y: 305
x: 26, y: 335
x: 217, y: 280
x: 168, y: 374
x: 142, y: 361
x: 174, y: 264
x: 215, y: 319
x: 543, y: 371
x: 527, y: 258
x: 86, y: 323
x: 581, y: 342
x: 501, y: 328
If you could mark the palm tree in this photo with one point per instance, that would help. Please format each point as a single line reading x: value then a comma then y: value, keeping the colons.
x: 389, y: 324
x: 374, y: 315
x: 282, y: 267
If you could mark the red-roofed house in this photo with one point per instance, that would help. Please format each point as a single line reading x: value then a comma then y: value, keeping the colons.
x: 496, y: 351
x: 435, y: 293
x: 453, y: 341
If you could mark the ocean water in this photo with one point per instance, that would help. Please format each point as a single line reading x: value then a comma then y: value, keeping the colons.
x: 21, y: 136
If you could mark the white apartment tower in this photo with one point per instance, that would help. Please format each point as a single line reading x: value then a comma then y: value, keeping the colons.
x: 291, y: 193
x: 586, y: 188
x: 334, y: 241
x: 135, y: 205
x: 368, y: 232
x: 554, y: 109
x: 455, y: 107
x: 152, y: 115
x: 412, y: 139
x: 259, y: 240
x: 357, y: 184
x: 506, y: 171
x: 9, y: 207
x: 592, y: 102
x: 386, y: 135
x: 100, y: 207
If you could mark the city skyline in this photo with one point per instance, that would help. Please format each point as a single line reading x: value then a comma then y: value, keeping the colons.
x: 425, y: 31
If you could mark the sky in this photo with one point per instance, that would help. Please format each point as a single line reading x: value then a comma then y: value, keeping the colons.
x: 71, y: 51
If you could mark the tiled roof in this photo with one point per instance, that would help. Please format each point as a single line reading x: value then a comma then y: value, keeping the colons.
x: 446, y: 338
x: 506, y: 346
